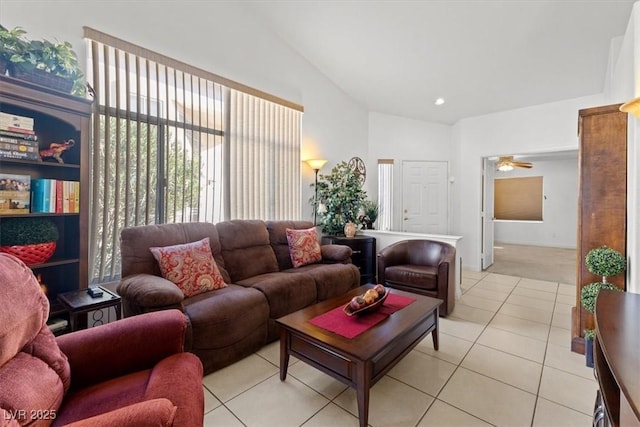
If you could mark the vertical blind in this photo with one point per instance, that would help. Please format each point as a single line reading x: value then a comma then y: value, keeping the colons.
x: 265, y: 159
x: 385, y: 194
x: 170, y: 145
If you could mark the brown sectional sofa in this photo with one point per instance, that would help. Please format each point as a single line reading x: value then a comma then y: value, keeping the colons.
x: 228, y: 324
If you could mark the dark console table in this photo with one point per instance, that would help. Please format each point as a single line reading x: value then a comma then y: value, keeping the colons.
x: 363, y: 256
x: 616, y: 361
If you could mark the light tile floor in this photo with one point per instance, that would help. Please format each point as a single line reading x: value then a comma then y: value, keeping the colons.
x: 504, y: 360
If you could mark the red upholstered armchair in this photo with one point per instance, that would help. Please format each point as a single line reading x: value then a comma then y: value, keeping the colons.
x: 425, y: 267
x: 132, y: 372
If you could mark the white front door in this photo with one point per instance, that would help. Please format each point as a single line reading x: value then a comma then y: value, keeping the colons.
x: 425, y: 197
x: 488, y: 175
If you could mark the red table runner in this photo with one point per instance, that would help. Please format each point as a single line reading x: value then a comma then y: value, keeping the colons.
x: 351, y: 326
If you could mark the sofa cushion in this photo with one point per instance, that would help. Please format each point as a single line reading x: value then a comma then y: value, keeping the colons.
x: 190, y: 266
x: 285, y: 292
x: 417, y: 276
x: 215, y: 317
x: 136, y: 241
x: 155, y: 412
x: 245, y: 248
x: 331, y: 279
x: 304, y: 247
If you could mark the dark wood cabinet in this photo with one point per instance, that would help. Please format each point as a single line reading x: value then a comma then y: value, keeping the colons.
x: 57, y: 117
x: 616, y: 349
x: 363, y: 256
x: 602, y: 206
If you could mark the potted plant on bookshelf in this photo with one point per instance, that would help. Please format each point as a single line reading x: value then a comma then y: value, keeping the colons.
x: 54, y: 65
x: 340, y: 197
x: 32, y: 240
x: 12, y: 42
x: 605, y: 262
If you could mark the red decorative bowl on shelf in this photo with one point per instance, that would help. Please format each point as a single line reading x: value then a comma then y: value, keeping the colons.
x: 31, y: 254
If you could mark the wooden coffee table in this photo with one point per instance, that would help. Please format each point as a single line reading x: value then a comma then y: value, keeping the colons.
x: 361, y: 361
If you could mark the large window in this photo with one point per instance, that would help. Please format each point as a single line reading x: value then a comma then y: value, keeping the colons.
x: 172, y: 144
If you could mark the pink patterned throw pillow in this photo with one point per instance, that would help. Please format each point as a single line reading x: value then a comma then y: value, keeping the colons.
x: 303, y: 246
x: 190, y: 266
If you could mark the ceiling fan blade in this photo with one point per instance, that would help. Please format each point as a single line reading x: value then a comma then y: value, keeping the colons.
x: 522, y: 165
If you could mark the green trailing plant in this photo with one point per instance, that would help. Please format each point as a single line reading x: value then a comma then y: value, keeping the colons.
x: 27, y: 231
x: 605, y: 262
x: 29, y: 56
x: 12, y: 42
x: 340, y: 197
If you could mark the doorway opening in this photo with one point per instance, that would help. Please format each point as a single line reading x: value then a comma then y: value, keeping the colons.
x: 541, y: 250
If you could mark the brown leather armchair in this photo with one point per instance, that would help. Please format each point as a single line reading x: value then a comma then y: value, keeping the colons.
x: 425, y: 267
x: 131, y: 372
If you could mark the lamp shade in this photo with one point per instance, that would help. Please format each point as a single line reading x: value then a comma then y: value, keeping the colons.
x: 316, y: 164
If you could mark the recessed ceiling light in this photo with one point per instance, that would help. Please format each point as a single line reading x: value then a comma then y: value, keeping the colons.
x: 439, y: 101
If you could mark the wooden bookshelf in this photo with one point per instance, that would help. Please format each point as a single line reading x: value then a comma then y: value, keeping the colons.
x: 57, y: 117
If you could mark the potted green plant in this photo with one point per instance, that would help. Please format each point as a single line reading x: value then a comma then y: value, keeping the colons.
x: 12, y: 42
x: 54, y: 65
x: 369, y: 214
x: 604, y: 262
x: 31, y: 239
x: 340, y: 197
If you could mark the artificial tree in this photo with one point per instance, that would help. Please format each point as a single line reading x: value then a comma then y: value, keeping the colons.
x: 340, y: 196
x: 604, y: 262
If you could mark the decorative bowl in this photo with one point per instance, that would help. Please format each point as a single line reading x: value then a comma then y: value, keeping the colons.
x: 366, y: 309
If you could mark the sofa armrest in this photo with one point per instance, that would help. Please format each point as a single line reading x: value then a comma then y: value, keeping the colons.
x: 122, y: 347
x: 155, y: 412
x: 336, y: 253
x: 149, y: 291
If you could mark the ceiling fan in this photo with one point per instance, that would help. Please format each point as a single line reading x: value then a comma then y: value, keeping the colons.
x: 506, y: 163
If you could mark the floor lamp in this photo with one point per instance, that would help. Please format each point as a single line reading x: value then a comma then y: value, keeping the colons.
x: 316, y: 165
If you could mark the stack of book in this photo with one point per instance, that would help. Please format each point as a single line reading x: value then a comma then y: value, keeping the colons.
x: 17, y: 138
x: 55, y: 196
x: 14, y: 193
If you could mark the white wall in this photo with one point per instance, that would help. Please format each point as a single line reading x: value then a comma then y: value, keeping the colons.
x: 224, y: 38
x: 623, y: 84
x: 537, y: 129
x: 560, y: 207
x: 399, y: 138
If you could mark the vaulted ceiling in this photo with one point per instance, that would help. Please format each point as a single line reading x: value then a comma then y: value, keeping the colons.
x: 482, y: 56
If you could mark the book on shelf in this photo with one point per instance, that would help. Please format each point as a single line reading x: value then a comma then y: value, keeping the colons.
x: 14, y: 202
x: 54, y: 196
x: 14, y: 193
x: 16, y: 123
x: 18, y: 135
x: 14, y: 182
x: 17, y: 150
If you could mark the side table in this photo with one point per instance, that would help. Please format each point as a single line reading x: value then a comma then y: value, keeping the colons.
x: 363, y: 256
x: 79, y: 302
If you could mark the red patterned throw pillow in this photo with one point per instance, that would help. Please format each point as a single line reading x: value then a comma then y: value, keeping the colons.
x: 190, y: 266
x: 303, y: 246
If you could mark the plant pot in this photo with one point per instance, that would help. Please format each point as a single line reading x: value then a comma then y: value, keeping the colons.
x: 43, y: 78
x: 31, y: 254
x: 350, y: 229
x: 588, y: 352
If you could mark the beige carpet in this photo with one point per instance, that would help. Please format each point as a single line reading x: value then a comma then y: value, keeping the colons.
x: 535, y: 262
